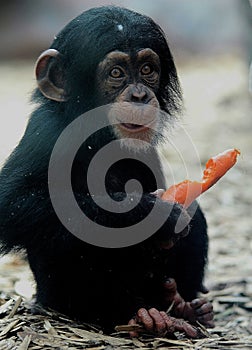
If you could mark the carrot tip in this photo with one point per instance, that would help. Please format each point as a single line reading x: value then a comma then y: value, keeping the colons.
x: 187, y: 191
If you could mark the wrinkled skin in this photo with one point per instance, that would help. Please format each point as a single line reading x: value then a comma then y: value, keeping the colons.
x: 161, y: 324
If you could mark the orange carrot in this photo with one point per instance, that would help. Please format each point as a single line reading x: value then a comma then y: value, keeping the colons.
x: 187, y: 191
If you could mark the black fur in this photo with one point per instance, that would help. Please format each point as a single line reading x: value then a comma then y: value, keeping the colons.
x: 99, y: 285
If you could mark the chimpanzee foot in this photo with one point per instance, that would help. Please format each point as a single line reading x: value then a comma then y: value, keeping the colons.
x: 160, y: 324
x: 200, y: 309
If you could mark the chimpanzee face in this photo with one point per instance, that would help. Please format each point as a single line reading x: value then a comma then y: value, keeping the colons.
x: 130, y: 81
x: 127, y: 81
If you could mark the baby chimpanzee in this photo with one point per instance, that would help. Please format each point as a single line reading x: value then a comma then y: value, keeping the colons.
x: 116, y: 57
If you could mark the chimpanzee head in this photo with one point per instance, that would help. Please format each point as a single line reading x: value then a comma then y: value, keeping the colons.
x: 111, y: 55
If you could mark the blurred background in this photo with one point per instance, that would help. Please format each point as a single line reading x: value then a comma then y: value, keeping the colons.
x: 211, y: 41
x: 195, y: 27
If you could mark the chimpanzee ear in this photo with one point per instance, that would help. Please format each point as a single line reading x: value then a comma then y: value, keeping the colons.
x: 49, y: 74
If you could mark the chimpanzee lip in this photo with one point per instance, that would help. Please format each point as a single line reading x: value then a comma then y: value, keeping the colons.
x: 134, y: 128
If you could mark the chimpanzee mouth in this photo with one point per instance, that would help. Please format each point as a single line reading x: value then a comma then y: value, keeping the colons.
x: 133, y: 127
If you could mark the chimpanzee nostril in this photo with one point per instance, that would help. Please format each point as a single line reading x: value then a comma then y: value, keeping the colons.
x: 139, y: 95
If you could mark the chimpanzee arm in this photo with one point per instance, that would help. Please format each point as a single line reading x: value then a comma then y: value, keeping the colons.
x: 29, y: 219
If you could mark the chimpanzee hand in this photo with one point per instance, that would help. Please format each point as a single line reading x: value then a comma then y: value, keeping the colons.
x: 161, y: 324
x: 179, y: 221
x: 200, y: 309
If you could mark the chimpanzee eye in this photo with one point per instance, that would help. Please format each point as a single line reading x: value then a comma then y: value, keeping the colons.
x: 116, y: 72
x: 147, y: 69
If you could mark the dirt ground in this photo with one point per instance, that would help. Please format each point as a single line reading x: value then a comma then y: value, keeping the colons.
x: 218, y: 116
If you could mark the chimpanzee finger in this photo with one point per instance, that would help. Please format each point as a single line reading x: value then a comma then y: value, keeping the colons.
x: 196, y: 303
x: 159, y: 323
x: 174, y: 324
x: 204, y: 309
x: 201, y: 307
x: 132, y: 322
x: 207, y: 319
x: 144, y: 317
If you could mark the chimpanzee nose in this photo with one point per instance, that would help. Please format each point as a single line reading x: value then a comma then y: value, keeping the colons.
x: 139, y: 95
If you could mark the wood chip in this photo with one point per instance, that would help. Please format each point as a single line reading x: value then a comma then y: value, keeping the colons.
x: 96, y: 336
x: 137, y: 343
x: 7, y: 344
x: 129, y: 328
x: 175, y: 342
x: 4, y: 307
x: 50, y: 329
x: 16, y: 306
x: 233, y: 300
x: 25, y: 343
x: 9, y: 327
